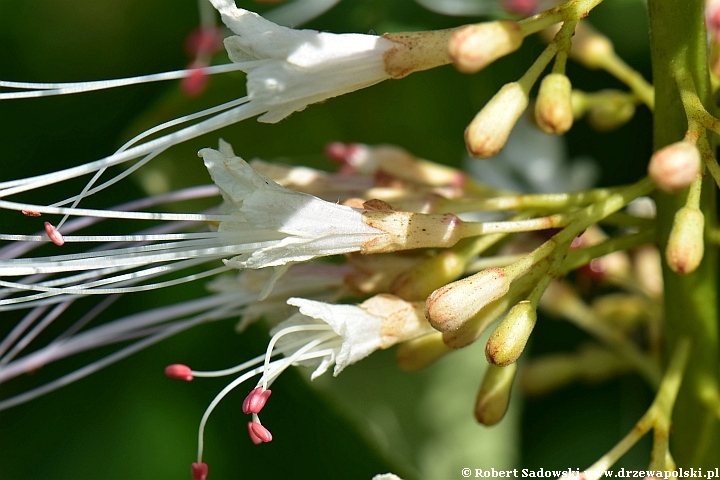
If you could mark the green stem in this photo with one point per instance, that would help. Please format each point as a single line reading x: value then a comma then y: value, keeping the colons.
x: 678, y: 47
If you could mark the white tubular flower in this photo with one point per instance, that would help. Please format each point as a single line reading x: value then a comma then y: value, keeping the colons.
x: 296, y: 227
x: 320, y: 336
x: 287, y: 70
x: 377, y: 323
x: 233, y: 296
x: 262, y: 225
x: 291, y: 69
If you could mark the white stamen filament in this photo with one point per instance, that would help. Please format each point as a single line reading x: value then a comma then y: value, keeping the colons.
x: 35, y: 90
x: 269, y: 370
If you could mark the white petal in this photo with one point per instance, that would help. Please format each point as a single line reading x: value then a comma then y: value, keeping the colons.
x: 360, y: 331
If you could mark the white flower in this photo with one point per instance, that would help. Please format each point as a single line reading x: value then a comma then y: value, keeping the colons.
x: 290, y: 69
x: 287, y: 70
x: 262, y: 225
x: 377, y: 323
x: 303, y: 226
x: 233, y: 296
x: 321, y: 335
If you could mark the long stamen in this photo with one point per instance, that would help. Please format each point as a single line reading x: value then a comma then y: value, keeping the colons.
x: 35, y: 90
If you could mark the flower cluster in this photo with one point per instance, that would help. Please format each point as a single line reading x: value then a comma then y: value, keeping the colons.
x: 425, y: 257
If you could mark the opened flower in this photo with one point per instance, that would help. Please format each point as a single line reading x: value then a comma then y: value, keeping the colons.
x: 320, y: 336
x: 261, y: 225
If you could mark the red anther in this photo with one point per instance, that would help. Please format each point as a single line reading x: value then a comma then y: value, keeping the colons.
x: 594, y: 270
x: 179, y: 372
x: 337, y: 152
x: 258, y: 433
x: 194, y: 84
x: 199, y: 471
x: 54, y: 235
x: 459, y: 180
x: 523, y: 8
x: 204, y: 41
x: 30, y: 213
x: 255, y: 401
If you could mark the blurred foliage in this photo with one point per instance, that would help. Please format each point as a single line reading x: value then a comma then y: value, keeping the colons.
x: 129, y: 421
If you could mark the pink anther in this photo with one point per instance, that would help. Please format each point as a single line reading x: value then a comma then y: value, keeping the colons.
x: 194, y: 84
x: 258, y: 433
x: 199, y: 471
x: 255, y: 401
x: 712, y: 19
x: 204, y: 41
x: 54, y: 235
x: 340, y: 152
x: 523, y: 8
x: 178, y: 371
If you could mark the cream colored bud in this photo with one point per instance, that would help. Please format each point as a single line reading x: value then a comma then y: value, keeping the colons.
x: 589, y: 47
x: 508, y: 340
x: 489, y: 130
x: 421, y: 352
x: 419, y: 282
x: 553, y: 108
x: 674, y: 167
x: 494, y: 395
x: 648, y: 269
x: 580, y: 103
x: 591, y: 364
x: 609, y: 111
x: 548, y: 373
x: 449, y: 307
x: 686, y: 245
x: 474, y: 47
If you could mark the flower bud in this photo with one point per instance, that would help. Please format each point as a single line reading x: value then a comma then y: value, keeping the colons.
x: 674, y: 167
x: 648, y: 269
x: 474, y: 47
x: 686, y: 246
x: 489, y: 130
x: 449, y: 307
x: 421, y: 352
x: 494, y: 395
x: 508, y: 340
x: 420, y: 281
x: 553, y: 108
x: 610, y: 110
x: 589, y: 47
x: 591, y: 364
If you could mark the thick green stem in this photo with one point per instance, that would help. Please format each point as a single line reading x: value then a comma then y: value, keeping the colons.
x: 678, y: 43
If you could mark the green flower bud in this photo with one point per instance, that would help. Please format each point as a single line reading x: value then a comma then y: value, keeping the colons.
x: 494, y: 395
x: 508, y: 340
x: 554, y: 108
x: 685, y: 247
